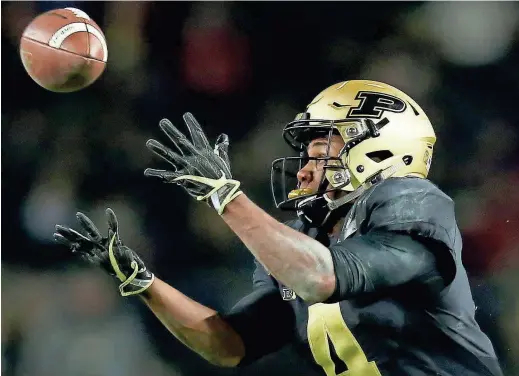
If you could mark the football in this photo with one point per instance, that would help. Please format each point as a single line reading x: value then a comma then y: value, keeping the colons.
x: 63, y: 50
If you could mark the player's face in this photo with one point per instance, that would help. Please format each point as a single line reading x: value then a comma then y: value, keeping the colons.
x: 311, y: 174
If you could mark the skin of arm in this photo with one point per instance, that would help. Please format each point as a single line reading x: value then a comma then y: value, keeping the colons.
x: 295, y: 259
x: 198, y: 327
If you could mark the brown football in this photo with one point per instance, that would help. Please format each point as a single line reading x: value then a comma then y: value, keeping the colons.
x: 63, y: 50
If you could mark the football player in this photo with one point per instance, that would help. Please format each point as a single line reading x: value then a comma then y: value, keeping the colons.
x: 366, y: 281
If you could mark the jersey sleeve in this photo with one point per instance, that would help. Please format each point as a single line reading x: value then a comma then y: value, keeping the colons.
x: 262, y: 319
x: 381, y: 261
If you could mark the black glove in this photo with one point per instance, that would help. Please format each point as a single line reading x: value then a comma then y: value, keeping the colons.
x: 204, y: 172
x: 107, y: 252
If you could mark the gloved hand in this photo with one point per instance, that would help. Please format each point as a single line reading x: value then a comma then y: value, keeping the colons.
x: 204, y: 172
x: 107, y: 252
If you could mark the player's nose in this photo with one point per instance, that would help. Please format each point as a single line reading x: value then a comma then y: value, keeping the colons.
x: 304, y: 176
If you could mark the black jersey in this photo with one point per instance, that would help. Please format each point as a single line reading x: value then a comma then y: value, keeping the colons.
x: 402, y: 303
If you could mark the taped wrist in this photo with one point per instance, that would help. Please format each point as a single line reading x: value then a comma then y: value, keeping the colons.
x: 139, y: 279
x: 221, y: 192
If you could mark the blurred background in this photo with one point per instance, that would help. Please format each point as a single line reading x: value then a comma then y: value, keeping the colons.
x: 246, y: 69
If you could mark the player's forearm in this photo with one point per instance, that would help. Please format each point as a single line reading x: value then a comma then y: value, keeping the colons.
x: 198, y: 327
x: 295, y: 259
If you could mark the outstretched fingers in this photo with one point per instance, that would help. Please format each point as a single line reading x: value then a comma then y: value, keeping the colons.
x: 198, y: 136
x: 164, y: 175
x: 166, y: 153
x: 89, y: 227
x: 182, y: 143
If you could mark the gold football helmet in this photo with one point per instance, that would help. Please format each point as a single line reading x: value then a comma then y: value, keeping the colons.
x: 385, y: 132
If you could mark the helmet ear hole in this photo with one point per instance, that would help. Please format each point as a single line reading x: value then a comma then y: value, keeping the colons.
x: 379, y: 155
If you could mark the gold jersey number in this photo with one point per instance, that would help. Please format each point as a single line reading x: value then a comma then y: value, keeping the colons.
x: 325, y: 321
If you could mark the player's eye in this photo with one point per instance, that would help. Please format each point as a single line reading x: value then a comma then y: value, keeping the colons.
x: 315, y: 163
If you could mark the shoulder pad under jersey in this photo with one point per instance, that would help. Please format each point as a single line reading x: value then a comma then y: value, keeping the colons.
x: 411, y: 205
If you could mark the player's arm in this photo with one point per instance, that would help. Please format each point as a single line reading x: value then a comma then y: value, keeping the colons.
x: 200, y: 328
x: 298, y: 261
x: 260, y: 323
x: 295, y: 259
